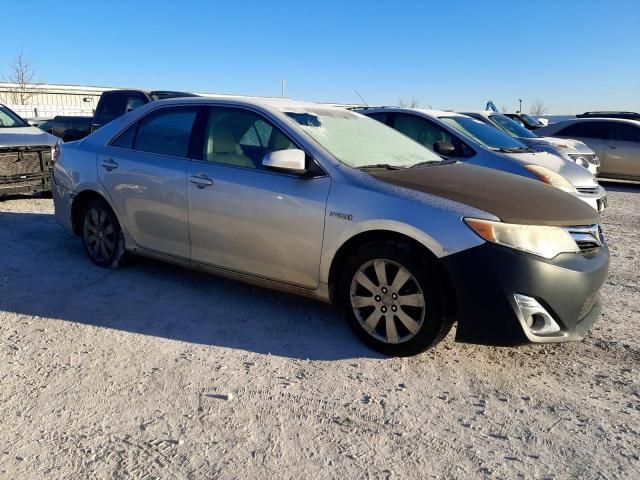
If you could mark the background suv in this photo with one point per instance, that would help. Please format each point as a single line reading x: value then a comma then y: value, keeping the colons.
x: 615, y: 141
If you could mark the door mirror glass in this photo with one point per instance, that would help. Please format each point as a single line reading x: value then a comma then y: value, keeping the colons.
x: 443, y: 147
x: 291, y: 160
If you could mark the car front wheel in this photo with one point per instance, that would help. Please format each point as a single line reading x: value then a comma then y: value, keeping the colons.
x: 394, y: 299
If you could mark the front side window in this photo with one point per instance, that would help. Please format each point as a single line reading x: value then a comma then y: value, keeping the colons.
x: 428, y: 133
x: 240, y: 138
x: 584, y: 130
x: 8, y: 119
x: 166, y: 132
x: 512, y: 127
x: 490, y: 137
x: 359, y: 141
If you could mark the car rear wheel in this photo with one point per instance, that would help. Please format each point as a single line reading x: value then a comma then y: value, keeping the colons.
x: 101, y: 235
x: 394, y: 299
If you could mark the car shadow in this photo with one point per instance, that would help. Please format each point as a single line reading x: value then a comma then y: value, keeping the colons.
x: 613, y: 186
x: 45, y: 272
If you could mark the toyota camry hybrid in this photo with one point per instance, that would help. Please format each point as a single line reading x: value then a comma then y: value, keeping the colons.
x: 327, y: 203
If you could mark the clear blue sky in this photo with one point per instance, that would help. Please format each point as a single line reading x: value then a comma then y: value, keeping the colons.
x: 575, y: 55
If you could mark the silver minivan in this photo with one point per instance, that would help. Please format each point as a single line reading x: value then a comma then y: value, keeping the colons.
x: 465, y: 139
x: 327, y: 203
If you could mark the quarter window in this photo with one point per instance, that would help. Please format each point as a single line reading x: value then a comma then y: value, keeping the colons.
x: 240, y: 138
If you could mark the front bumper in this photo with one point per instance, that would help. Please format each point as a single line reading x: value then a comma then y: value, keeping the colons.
x: 487, y: 278
x: 596, y: 200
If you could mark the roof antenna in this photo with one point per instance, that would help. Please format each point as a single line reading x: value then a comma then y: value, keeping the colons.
x: 363, y: 100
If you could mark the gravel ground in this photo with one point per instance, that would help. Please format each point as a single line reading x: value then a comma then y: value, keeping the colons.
x: 153, y: 371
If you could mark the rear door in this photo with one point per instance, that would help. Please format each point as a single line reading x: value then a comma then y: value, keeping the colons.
x: 249, y: 219
x: 623, y: 150
x: 144, y: 172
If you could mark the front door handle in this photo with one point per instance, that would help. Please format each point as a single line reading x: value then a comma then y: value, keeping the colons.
x: 612, y: 147
x: 201, y: 180
x: 109, y: 164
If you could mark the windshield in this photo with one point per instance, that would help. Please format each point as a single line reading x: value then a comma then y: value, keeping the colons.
x: 359, y: 141
x: 8, y: 119
x: 511, y: 127
x: 488, y: 136
x: 530, y: 120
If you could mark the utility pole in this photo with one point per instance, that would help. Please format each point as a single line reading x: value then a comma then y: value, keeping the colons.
x: 520, y: 100
x: 284, y: 83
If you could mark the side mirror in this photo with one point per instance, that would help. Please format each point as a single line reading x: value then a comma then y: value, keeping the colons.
x: 444, y: 148
x: 291, y: 160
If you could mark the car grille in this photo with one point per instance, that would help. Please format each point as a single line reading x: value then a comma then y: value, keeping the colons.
x: 590, y: 190
x: 25, y: 169
x: 588, y: 238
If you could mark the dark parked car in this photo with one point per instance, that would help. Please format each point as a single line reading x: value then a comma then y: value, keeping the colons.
x: 527, y: 121
x: 68, y: 128
x: 611, y: 114
x: 114, y: 103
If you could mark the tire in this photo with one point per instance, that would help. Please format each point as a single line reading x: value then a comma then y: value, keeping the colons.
x: 101, y: 235
x: 402, y: 314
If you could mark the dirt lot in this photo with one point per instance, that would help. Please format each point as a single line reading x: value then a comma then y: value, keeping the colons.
x: 153, y: 371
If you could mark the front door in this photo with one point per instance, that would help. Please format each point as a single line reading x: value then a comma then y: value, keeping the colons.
x: 246, y: 218
x: 144, y: 172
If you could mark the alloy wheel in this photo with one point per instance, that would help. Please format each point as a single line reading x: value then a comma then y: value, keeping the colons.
x: 387, y: 300
x: 99, y: 234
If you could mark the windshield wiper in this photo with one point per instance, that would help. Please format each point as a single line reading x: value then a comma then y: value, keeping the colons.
x: 380, y: 166
x: 446, y: 161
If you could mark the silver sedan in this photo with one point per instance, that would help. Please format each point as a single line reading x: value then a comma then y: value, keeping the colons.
x: 327, y: 203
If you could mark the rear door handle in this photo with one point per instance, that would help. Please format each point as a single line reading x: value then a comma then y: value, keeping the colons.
x: 612, y: 147
x: 201, y: 180
x: 109, y: 164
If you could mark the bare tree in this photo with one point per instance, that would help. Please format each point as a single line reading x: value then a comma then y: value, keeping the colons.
x: 538, y: 108
x: 22, y: 74
x: 411, y: 103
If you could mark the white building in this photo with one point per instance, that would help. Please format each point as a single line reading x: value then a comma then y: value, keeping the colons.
x: 49, y: 100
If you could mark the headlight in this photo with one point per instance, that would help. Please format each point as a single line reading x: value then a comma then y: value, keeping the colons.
x: 583, y: 162
x: 551, y: 178
x: 544, y: 241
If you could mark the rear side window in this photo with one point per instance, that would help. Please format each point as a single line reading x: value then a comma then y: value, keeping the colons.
x: 625, y: 132
x: 584, y: 130
x: 165, y: 132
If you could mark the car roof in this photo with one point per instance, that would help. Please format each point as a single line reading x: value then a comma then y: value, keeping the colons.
x: 274, y: 103
x: 426, y: 111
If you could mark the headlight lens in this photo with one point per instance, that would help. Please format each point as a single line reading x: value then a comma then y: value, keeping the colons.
x: 551, y: 178
x: 543, y: 241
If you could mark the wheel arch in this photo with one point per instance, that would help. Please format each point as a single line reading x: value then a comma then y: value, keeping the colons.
x: 363, y: 238
x: 78, y: 204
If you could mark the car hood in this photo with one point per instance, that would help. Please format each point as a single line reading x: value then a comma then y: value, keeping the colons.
x: 25, y: 137
x: 575, y: 146
x: 577, y: 175
x: 512, y: 198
